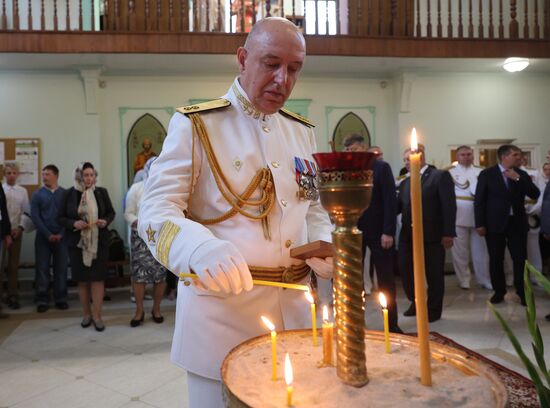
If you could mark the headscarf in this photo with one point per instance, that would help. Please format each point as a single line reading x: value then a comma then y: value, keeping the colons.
x: 88, y: 212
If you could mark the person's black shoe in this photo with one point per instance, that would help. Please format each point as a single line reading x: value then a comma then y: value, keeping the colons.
x: 137, y: 322
x: 411, y: 311
x: 13, y: 303
x: 158, y: 319
x: 86, y: 322
x: 396, y: 329
x: 62, y: 305
x: 433, y: 317
x: 547, y: 317
x: 496, y: 298
x: 98, y: 324
x: 42, y: 308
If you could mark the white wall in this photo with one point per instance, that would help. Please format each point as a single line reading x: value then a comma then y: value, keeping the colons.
x: 446, y: 109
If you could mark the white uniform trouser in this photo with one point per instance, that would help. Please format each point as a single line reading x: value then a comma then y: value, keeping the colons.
x: 467, y: 242
x: 533, y: 249
x: 204, y: 392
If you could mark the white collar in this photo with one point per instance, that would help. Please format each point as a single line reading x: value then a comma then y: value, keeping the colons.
x: 244, y: 102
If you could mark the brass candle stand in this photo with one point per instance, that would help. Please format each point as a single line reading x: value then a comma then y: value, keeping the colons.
x: 345, y: 187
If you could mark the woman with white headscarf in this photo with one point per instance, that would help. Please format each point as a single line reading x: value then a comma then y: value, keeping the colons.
x: 145, y: 268
x: 86, y: 212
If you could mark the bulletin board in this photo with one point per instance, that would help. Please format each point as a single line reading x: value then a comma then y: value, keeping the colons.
x: 27, y: 153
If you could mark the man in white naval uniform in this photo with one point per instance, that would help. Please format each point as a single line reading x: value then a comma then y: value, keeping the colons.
x: 467, y: 240
x: 532, y: 208
x: 200, y: 209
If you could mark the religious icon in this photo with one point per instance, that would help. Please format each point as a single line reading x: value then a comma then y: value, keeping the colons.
x: 144, y: 141
x: 351, y: 133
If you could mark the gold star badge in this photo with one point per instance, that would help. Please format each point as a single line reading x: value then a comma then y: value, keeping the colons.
x: 151, y: 234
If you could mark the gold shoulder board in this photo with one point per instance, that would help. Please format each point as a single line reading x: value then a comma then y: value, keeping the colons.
x: 479, y: 167
x: 399, y: 178
x: 297, y: 117
x: 205, y: 106
x: 449, y: 168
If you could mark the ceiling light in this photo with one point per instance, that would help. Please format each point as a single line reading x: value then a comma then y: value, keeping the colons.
x: 515, y: 64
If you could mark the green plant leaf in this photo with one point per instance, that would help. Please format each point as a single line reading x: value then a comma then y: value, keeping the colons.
x: 543, y: 280
x: 531, y: 369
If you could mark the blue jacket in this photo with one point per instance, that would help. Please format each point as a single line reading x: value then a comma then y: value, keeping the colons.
x: 45, y: 207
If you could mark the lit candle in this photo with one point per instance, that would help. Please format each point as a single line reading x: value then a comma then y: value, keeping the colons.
x: 328, y: 334
x: 384, y: 305
x: 313, y: 318
x: 289, y: 377
x: 271, y: 327
x: 418, y: 262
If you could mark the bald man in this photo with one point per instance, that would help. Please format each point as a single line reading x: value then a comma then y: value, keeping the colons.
x: 230, y: 195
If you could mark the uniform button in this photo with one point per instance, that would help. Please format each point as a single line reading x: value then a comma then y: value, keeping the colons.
x: 266, y: 129
x: 275, y: 164
x: 283, y: 202
x: 288, y: 243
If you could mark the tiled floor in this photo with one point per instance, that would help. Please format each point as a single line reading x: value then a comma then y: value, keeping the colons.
x: 48, y: 360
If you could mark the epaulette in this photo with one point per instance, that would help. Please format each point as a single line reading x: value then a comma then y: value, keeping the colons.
x: 449, y: 168
x: 204, y: 106
x: 404, y: 176
x: 295, y: 116
x: 479, y: 167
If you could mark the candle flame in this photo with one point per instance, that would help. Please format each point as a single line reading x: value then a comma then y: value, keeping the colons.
x: 289, y: 376
x: 309, y: 297
x: 383, y: 300
x: 268, y: 323
x: 325, y: 313
x: 414, y: 141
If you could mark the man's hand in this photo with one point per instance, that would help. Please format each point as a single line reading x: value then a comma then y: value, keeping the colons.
x: 322, y: 267
x: 481, y: 231
x: 8, y: 241
x: 221, y: 267
x: 101, y: 223
x: 16, y: 233
x: 511, y: 174
x: 447, y: 242
x: 52, y: 239
x: 386, y: 241
x: 80, y: 225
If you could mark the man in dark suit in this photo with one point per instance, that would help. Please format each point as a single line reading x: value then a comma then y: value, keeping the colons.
x: 378, y: 226
x: 500, y: 217
x: 438, y: 215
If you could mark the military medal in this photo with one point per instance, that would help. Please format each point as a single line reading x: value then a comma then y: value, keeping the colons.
x: 306, y: 177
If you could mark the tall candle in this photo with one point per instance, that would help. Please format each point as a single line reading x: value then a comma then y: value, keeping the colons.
x: 418, y: 263
x: 289, y: 377
x: 328, y: 335
x: 271, y: 327
x: 384, y: 305
x: 313, y: 318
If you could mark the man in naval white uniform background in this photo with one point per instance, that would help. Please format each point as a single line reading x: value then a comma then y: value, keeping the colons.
x: 467, y: 240
x: 230, y: 194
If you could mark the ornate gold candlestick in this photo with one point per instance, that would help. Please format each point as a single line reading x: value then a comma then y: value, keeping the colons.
x: 345, y: 187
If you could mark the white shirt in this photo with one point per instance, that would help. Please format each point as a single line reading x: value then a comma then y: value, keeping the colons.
x: 208, y: 326
x: 465, y: 181
x: 133, y: 201
x: 17, y: 200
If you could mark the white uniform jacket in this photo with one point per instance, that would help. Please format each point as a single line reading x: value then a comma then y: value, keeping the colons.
x: 208, y: 326
x: 465, y: 180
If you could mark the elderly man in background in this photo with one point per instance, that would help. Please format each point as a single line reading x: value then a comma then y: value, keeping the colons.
x: 18, y: 203
x: 467, y: 240
x: 501, y: 218
x: 230, y: 194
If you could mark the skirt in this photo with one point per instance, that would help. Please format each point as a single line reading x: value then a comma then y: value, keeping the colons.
x: 145, y: 268
x: 93, y: 273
